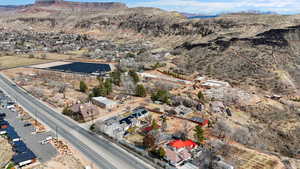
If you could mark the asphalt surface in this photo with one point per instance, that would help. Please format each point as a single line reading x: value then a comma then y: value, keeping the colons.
x: 101, y: 152
x: 44, y: 152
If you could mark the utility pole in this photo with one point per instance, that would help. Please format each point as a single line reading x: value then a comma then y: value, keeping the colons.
x: 35, y: 117
x: 56, y: 135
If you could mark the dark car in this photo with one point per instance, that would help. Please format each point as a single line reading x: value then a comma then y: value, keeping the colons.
x: 27, y: 124
x: 2, y: 114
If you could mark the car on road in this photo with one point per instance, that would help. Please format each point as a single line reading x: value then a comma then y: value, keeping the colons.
x: 27, y: 124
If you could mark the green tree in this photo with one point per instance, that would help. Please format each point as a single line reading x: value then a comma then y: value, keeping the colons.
x: 103, y: 89
x: 199, y: 134
x: 108, y: 86
x: 130, y: 55
x: 201, y: 97
x: 134, y: 76
x: 140, y: 91
x: 161, y: 152
x: 154, y: 125
x: 67, y: 111
x: 161, y: 95
x: 83, y: 87
x: 116, y: 77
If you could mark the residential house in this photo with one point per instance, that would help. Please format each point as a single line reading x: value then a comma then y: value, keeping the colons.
x: 176, y: 158
x: 133, y: 119
x: 215, y: 84
x: 182, y: 110
x: 172, y: 157
x: 160, y: 137
x: 200, y: 107
x: 202, y: 122
x: 217, y: 107
x: 104, y: 102
x: 183, y: 144
x: 113, y: 128
x: 87, y: 111
x: 178, y: 151
x: 140, y: 112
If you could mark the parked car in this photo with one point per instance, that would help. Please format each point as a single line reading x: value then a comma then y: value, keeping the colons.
x: 27, y: 124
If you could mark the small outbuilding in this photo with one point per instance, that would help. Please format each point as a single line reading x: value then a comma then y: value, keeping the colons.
x: 104, y: 102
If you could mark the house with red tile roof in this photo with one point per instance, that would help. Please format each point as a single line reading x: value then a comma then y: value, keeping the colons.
x: 178, y: 144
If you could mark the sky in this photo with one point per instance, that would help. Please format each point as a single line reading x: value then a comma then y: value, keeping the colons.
x: 209, y: 7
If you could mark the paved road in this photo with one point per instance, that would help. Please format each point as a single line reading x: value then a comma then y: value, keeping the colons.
x: 100, y: 151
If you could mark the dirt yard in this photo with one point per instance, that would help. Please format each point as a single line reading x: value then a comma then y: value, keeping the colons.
x: 245, y: 158
x: 6, y: 152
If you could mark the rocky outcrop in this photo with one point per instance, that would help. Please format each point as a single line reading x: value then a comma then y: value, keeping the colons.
x: 250, y: 61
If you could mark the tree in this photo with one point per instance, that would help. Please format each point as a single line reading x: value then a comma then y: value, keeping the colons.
x: 116, y: 77
x: 199, y: 134
x: 161, y: 95
x: 108, y: 86
x: 201, y: 97
x: 103, y: 89
x: 43, y: 56
x: 161, y: 152
x: 130, y: 55
x: 164, y: 124
x: 67, y: 111
x: 140, y: 91
x: 134, y: 76
x: 149, y: 141
x: 154, y: 125
x: 83, y: 87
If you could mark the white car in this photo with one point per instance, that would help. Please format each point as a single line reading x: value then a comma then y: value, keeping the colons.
x: 47, y: 140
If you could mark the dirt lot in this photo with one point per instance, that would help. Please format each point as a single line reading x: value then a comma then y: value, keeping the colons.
x: 6, y: 152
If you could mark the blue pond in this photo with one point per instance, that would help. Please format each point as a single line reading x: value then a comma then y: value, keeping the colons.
x: 80, y: 67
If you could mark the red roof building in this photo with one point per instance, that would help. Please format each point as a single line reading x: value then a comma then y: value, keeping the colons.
x: 183, y: 144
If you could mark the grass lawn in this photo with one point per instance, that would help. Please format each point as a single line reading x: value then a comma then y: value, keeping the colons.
x: 13, y: 61
x: 24, y: 60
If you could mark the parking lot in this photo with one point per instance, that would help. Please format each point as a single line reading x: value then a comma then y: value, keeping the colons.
x: 26, y: 131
